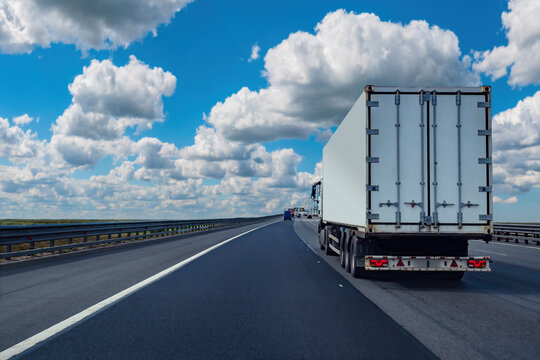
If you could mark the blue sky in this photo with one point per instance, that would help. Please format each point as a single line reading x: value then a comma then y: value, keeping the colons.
x: 151, y: 160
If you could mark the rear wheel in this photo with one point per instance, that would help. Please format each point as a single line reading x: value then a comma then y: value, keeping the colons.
x: 453, y: 275
x: 352, y: 265
x: 322, y: 239
x: 342, y: 254
x: 357, y: 271
x: 348, y: 256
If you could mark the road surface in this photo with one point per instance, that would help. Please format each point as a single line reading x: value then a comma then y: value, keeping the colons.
x: 493, y: 315
x: 263, y: 295
x: 268, y: 294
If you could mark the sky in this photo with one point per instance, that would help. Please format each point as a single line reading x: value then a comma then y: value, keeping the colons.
x: 129, y: 109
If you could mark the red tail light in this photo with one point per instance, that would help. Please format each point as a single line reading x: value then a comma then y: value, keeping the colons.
x: 477, y: 263
x: 378, y: 263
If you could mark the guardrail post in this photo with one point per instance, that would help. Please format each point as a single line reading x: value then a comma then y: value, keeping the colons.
x: 68, y: 235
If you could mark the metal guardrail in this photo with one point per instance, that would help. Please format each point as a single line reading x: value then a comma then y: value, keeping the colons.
x: 517, y: 233
x: 23, y: 240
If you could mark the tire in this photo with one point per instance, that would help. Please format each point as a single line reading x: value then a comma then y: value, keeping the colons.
x: 322, y: 237
x: 342, y: 253
x: 348, y: 256
x: 356, y: 270
x: 453, y: 275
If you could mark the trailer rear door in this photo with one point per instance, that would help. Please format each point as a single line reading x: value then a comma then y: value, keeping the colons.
x: 398, y: 149
x: 429, y: 157
x: 459, y: 161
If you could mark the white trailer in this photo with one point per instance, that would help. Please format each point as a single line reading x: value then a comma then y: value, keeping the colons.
x: 407, y: 181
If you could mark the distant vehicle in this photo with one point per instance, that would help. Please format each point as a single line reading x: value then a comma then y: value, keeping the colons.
x: 287, y: 215
x: 407, y: 181
x: 309, y: 216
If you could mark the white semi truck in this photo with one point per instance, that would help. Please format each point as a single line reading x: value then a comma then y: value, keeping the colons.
x: 407, y: 181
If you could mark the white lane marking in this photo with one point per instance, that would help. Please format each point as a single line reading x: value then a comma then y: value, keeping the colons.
x: 527, y: 247
x: 63, y: 325
x: 297, y: 234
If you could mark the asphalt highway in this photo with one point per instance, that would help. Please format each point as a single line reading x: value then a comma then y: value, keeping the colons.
x: 262, y: 295
x: 270, y: 294
x: 493, y: 315
x: 36, y: 295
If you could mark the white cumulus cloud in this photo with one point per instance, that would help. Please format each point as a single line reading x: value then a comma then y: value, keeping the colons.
x: 16, y: 144
x: 107, y: 100
x: 97, y: 24
x: 315, y: 78
x: 154, y: 154
x: 211, y: 146
x: 522, y: 53
x: 23, y: 119
x: 510, y: 200
x: 516, y: 146
x: 254, y: 52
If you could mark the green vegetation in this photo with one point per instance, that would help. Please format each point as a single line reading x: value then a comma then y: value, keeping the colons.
x: 53, y: 221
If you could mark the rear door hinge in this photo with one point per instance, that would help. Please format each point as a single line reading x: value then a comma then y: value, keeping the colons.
x: 484, y: 160
x: 423, y: 97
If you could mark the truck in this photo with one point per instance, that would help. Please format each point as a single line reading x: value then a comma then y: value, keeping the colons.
x: 407, y: 181
x: 287, y: 215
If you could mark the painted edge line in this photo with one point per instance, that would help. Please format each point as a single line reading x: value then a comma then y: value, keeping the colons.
x: 309, y: 246
x: 516, y: 245
x: 32, y: 341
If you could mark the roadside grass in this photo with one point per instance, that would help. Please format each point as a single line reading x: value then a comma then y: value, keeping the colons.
x: 55, y: 221
x: 136, y: 236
